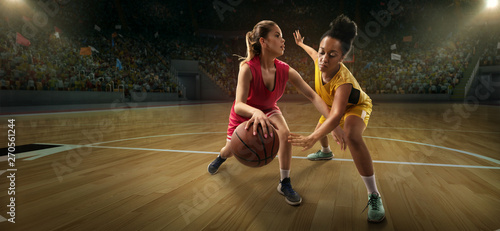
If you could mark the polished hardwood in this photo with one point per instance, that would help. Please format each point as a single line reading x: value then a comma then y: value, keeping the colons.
x: 146, y: 169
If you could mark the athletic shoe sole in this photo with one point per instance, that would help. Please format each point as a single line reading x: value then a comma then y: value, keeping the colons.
x: 286, y: 199
x: 208, y: 169
x: 376, y: 221
x: 321, y: 158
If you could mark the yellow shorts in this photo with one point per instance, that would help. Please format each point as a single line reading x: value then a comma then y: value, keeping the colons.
x: 360, y: 111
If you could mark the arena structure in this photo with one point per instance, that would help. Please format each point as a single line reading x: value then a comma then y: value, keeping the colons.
x: 73, y: 52
x: 118, y: 107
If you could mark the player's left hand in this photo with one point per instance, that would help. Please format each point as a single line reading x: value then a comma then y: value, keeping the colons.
x: 339, y: 137
x: 303, y: 141
x: 298, y: 38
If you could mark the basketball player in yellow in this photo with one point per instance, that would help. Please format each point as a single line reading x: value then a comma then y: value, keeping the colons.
x: 350, y: 107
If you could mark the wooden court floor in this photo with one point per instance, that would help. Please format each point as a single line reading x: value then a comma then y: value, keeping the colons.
x: 437, y: 168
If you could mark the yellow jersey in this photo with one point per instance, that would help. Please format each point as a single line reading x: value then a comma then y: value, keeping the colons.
x: 327, y: 91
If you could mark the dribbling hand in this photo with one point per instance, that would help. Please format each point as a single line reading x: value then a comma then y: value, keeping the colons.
x: 260, y: 118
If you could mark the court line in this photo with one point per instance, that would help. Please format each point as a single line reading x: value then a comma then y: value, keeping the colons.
x: 433, y: 129
x: 97, y: 145
x: 145, y: 137
x: 290, y: 125
x: 155, y: 149
x: 441, y: 147
x: 299, y: 157
x: 86, y: 110
x: 370, y: 137
x: 303, y: 157
x: 33, y: 155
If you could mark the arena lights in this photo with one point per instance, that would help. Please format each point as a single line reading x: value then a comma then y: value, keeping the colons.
x: 491, y: 3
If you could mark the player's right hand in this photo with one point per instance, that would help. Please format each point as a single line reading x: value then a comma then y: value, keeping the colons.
x: 259, y: 118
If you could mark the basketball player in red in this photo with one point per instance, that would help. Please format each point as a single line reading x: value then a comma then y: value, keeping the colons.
x: 261, y: 82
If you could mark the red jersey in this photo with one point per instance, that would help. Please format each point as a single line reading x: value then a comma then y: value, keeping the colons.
x: 258, y: 95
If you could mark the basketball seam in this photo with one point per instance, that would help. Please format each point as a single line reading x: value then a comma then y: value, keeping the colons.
x: 243, y: 142
x: 274, y: 141
x: 263, y: 145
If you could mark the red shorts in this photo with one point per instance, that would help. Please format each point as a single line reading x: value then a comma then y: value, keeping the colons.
x: 235, y: 119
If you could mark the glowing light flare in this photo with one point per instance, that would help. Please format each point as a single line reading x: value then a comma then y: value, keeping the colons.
x: 491, y: 3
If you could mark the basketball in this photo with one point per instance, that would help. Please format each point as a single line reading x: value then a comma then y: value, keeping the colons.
x: 254, y: 151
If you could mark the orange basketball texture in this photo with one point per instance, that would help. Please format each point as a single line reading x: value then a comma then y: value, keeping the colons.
x: 254, y: 151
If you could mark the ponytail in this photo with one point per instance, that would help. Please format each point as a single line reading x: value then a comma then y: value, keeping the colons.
x: 252, y: 39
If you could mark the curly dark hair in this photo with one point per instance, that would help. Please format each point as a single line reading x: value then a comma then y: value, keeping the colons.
x: 343, y: 29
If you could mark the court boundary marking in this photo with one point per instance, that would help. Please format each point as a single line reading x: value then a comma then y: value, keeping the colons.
x: 186, y: 103
x: 87, y: 110
x: 370, y: 137
x: 307, y: 125
x: 99, y: 145
x: 303, y: 157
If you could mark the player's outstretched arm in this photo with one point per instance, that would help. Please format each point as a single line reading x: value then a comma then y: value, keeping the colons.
x: 308, y: 92
x: 332, y: 121
x: 299, y: 40
x: 308, y: 141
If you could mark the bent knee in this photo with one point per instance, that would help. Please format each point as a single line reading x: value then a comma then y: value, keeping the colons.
x: 283, y: 133
x: 353, y: 138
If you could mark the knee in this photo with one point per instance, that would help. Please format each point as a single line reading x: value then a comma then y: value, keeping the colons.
x: 283, y: 133
x: 352, y: 138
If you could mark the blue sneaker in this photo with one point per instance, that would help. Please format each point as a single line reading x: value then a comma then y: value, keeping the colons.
x: 376, y: 211
x: 214, y: 166
x: 285, y: 189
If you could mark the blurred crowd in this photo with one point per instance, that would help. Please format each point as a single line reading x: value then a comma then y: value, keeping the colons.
x: 52, y: 63
x: 136, y: 56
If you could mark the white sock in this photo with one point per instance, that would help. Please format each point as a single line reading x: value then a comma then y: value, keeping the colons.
x: 326, y: 149
x: 284, y: 173
x: 370, y: 184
